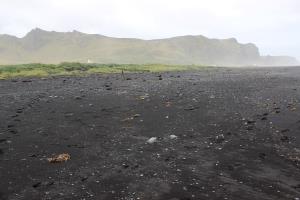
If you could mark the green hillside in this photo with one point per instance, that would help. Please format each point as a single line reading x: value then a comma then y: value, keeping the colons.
x: 82, y: 69
x: 40, y: 46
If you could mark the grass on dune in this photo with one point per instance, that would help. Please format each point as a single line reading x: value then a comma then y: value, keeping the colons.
x: 44, y: 70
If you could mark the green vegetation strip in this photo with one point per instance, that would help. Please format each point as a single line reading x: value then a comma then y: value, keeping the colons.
x: 69, y: 69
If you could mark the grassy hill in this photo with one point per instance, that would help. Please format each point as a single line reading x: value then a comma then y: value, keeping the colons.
x: 40, y: 46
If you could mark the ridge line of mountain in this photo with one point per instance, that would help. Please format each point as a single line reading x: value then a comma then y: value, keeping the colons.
x: 53, y: 47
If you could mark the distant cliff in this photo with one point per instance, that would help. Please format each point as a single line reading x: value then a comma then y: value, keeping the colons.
x: 54, y: 47
x: 279, y: 61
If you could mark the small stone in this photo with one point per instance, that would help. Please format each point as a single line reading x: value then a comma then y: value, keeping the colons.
x: 172, y: 137
x: 152, y: 140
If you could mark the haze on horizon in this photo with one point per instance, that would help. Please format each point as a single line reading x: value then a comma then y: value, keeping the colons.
x: 273, y: 25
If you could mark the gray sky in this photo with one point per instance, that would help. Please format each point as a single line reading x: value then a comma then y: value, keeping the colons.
x: 273, y: 25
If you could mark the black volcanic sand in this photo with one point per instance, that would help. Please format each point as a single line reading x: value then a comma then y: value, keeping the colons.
x: 237, y: 136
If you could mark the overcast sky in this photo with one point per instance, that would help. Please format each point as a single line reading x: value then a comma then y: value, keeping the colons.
x: 273, y: 25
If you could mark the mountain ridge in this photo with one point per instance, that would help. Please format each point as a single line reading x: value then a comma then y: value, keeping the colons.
x: 54, y: 47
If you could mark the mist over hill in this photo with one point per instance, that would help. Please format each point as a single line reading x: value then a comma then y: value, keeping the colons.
x: 40, y: 46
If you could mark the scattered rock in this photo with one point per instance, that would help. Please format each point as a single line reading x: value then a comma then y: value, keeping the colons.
x: 192, y: 108
x: 136, y: 115
x: 125, y: 166
x: 13, y: 131
x: 219, y: 138
x: 262, y: 156
x: 2, y: 140
x: 297, y: 186
x: 143, y: 97
x: 168, y: 104
x: 10, y: 126
x: 39, y: 184
x: 69, y: 114
x: 152, y: 140
x: 19, y: 111
x: 251, y: 122
x: 172, y: 137
x: 27, y: 81
x: 284, y: 138
x: 131, y: 118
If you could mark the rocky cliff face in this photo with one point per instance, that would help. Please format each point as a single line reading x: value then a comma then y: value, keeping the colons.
x: 54, y: 47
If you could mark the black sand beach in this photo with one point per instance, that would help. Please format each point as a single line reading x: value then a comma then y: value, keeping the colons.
x: 219, y: 133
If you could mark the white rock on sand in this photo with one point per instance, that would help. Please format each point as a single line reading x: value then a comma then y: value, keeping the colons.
x: 152, y: 140
x: 173, y: 137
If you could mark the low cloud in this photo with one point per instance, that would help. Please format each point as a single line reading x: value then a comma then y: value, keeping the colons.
x: 272, y: 24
